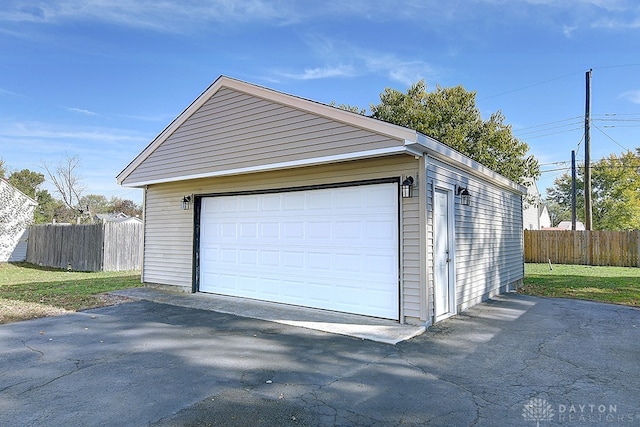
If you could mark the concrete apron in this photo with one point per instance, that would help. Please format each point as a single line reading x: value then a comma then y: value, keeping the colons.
x: 366, y: 328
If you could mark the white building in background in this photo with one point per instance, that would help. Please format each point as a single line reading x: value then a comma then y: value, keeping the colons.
x: 566, y: 225
x: 16, y: 215
x: 535, y: 215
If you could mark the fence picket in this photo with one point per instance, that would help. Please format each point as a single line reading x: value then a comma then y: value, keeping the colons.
x: 614, y: 248
x: 93, y: 247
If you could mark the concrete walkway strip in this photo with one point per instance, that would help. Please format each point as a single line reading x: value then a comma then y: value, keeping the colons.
x: 363, y: 327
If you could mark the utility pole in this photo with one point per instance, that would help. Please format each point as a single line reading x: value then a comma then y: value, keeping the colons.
x: 573, y: 190
x: 587, y: 154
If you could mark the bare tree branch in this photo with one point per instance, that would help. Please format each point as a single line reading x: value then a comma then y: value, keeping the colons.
x: 66, y: 180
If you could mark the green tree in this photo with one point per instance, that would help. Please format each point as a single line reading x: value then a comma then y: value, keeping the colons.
x: 27, y: 181
x: 450, y: 115
x: 347, y: 107
x: 3, y: 168
x: 48, y: 209
x: 126, y: 206
x: 92, y: 204
x: 615, y: 185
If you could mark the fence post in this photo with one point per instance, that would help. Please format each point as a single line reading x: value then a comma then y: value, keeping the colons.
x: 637, y: 248
x: 616, y: 248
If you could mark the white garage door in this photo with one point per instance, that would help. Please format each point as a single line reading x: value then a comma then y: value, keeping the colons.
x: 333, y: 248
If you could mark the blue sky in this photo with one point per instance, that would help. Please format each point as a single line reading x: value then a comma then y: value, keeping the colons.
x: 99, y: 79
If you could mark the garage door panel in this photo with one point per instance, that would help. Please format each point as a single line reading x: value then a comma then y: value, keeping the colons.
x: 330, y: 248
x: 293, y: 260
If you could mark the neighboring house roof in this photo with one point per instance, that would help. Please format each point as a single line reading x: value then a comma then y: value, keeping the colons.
x: 566, y: 225
x: 409, y: 141
x: 535, y: 213
x: 128, y: 220
x: 545, y: 218
x: 16, y: 214
x: 111, y: 216
x: 116, y: 217
x: 28, y: 200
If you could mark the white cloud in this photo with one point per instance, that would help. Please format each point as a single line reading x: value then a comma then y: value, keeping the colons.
x: 81, y: 111
x: 397, y: 69
x: 617, y: 23
x: 8, y: 92
x: 321, y: 73
x: 44, y: 131
x: 360, y: 62
x: 568, y: 30
x: 175, y: 16
x: 632, y: 96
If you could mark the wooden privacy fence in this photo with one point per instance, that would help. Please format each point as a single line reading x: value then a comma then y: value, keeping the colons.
x: 616, y: 248
x: 95, y: 247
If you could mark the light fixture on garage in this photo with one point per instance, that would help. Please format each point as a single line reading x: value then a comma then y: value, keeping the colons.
x: 186, y: 203
x: 465, y: 197
x: 407, y: 187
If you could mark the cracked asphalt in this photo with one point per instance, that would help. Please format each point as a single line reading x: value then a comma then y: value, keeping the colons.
x: 515, y: 360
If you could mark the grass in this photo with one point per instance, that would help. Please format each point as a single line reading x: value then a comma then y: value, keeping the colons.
x: 28, y: 291
x: 615, y: 285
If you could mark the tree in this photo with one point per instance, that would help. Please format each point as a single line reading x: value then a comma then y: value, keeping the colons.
x: 125, y: 206
x: 64, y: 177
x: 49, y: 209
x: 92, y: 204
x: 26, y: 181
x: 450, y: 115
x: 615, y: 184
x: 3, y: 168
x: 347, y: 107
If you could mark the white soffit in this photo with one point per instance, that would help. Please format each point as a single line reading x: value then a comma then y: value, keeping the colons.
x: 278, y: 166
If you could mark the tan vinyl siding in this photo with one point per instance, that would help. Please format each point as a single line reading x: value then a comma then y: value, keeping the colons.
x: 234, y: 130
x: 169, y: 230
x: 410, y: 238
x: 168, y: 236
x: 488, y: 236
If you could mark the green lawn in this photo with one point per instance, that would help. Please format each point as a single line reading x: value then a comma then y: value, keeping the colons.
x: 28, y: 291
x: 617, y: 285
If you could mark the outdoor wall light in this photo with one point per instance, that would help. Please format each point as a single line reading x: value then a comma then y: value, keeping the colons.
x: 186, y: 203
x: 465, y: 197
x: 407, y: 187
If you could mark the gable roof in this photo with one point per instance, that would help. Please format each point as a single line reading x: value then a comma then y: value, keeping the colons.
x: 28, y: 199
x: 407, y: 141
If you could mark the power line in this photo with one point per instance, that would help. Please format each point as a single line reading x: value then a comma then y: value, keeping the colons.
x: 551, y: 123
x: 533, y: 132
x: 549, y: 134
x: 616, y: 142
x: 530, y: 86
x: 565, y: 169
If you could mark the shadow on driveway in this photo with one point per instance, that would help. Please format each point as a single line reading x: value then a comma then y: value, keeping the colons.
x: 515, y: 360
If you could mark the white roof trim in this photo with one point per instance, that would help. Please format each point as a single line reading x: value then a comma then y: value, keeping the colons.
x: 454, y: 158
x: 414, y: 143
x: 353, y: 119
x: 281, y: 165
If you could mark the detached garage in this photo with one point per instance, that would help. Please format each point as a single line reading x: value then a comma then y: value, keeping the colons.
x: 257, y: 194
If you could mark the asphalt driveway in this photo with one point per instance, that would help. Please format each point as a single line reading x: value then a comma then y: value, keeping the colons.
x: 515, y: 360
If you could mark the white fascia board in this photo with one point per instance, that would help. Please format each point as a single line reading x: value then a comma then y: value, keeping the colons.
x: 454, y: 158
x: 280, y: 165
x: 353, y: 119
x: 170, y: 129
